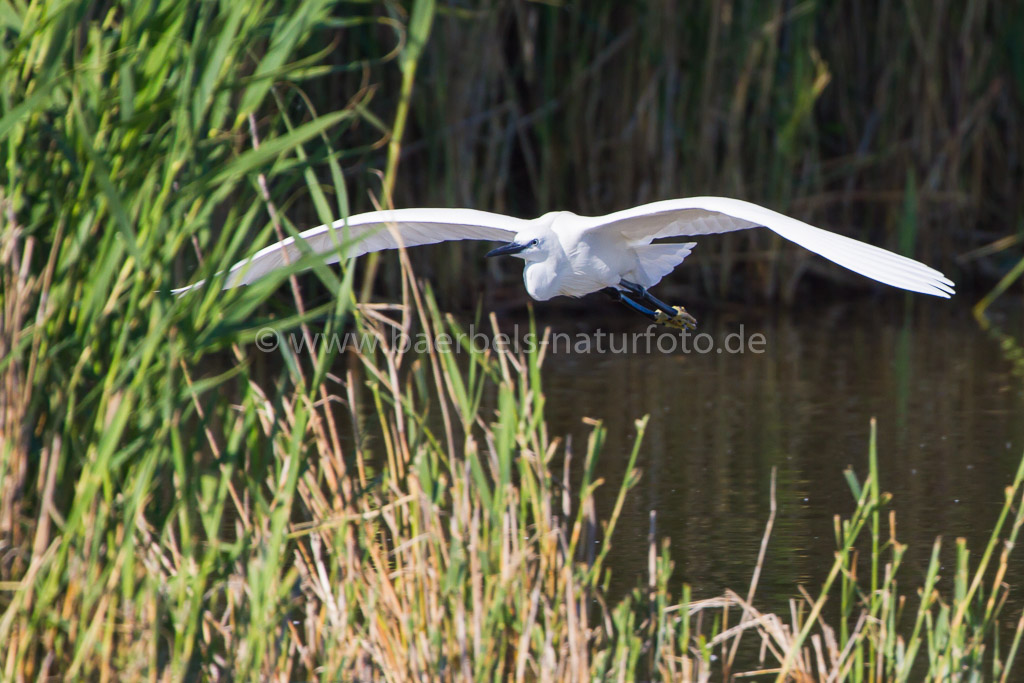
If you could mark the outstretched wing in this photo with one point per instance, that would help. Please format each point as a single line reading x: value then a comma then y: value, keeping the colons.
x: 375, y: 231
x: 707, y: 215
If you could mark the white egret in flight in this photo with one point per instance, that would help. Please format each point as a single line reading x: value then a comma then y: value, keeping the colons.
x: 570, y: 255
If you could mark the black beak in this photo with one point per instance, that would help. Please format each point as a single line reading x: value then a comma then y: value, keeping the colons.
x: 507, y: 249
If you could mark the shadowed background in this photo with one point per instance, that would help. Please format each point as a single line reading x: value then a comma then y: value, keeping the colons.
x: 898, y: 123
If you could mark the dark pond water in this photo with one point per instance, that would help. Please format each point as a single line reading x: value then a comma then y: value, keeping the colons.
x: 950, y: 436
x: 950, y: 417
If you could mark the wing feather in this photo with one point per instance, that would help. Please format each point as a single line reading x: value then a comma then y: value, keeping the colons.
x: 706, y: 215
x: 375, y: 231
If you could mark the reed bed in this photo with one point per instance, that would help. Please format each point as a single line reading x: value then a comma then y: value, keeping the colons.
x: 452, y: 538
x: 894, y: 122
x: 175, y: 503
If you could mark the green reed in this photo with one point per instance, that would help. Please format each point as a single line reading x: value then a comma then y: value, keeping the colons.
x: 890, y: 122
x: 176, y: 504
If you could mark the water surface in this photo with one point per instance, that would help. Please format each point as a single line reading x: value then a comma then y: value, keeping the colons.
x: 950, y: 436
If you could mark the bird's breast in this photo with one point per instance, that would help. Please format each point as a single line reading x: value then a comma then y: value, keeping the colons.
x: 578, y: 275
x: 541, y: 280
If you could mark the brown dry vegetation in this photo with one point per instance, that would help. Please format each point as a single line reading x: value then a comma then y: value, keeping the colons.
x: 175, y: 505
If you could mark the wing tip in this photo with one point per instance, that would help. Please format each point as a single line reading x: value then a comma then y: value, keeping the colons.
x: 941, y: 287
x: 182, y: 291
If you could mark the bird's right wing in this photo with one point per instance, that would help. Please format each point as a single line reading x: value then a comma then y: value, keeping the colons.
x: 706, y: 215
x: 375, y: 231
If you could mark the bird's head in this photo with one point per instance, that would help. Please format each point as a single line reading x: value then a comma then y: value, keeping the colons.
x: 529, y: 246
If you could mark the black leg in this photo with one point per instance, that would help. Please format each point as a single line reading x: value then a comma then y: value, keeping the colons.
x: 643, y: 295
x: 663, y: 313
x: 620, y: 296
x: 639, y: 308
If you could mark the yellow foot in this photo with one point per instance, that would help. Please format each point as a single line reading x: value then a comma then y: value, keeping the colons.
x: 682, y: 319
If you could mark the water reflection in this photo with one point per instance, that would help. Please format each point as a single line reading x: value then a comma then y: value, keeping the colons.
x: 950, y: 436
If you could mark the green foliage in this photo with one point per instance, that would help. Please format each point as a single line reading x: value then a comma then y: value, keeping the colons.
x: 128, y: 130
x: 176, y: 504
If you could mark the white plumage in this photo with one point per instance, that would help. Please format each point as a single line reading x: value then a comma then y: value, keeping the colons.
x: 572, y: 255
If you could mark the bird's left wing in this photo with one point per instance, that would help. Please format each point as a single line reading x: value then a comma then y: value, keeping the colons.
x: 375, y: 231
x: 707, y: 215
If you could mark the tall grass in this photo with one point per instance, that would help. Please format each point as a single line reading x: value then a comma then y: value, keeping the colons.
x: 462, y: 545
x: 176, y: 504
x: 128, y: 132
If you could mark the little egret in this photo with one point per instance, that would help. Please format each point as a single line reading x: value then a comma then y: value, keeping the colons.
x: 570, y: 255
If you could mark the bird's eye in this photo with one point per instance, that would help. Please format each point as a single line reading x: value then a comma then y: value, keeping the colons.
x: 535, y: 242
